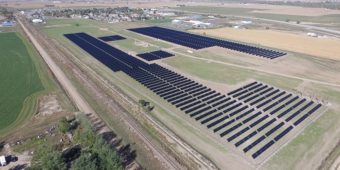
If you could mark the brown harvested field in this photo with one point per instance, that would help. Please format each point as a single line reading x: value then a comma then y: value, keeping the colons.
x: 299, y: 11
x: 288, y: 10
x: 322, y: 47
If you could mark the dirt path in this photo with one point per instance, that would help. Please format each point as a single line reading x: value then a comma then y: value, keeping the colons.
x: 72, y: 92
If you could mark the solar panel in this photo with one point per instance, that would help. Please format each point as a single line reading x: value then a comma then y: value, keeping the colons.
x: 221, y: 113
x: 155, y: 55
x: 252, y: 117
x: 224, y: 125
x: 112, y: 38
x: 230, y: 129
x: 259, y: 120
x: 238, y: 134
x: 266, y: 124
x: 244, y: 114
x: 291, y: 108
x: 283, y: 133
x: 245, y: 139
x: 211, y: 118
x: 299, y: 111
x: 264, y: 148
x: 307, y: 114
x: 257, y: 141
x: 271, y: 131
x: 198, y: 42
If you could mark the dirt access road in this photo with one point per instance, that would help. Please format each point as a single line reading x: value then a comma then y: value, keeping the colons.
x: 79, y: 101
x: 72, y: 92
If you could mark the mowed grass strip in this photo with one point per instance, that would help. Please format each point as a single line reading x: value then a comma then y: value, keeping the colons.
x: 20, y: 80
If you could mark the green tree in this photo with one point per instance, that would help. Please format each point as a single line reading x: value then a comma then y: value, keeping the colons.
x: 86, y: 161
x: 64, y: 125
x: 46, y: 158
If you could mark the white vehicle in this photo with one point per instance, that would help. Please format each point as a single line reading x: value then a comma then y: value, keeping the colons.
x: 3, y: 161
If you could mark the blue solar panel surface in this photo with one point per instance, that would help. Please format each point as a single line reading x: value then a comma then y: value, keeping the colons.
x: 198, y: 42
x: 112, y: 38
x: 235, y: 117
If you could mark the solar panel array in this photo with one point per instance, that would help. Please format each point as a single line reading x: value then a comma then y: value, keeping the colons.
x: 249, y: 117
x: 155, y: 55
x: 112, y: 38
x: 198, y: 42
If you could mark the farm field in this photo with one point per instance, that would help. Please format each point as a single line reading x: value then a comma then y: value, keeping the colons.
x: 277, y: 9
x: 262, y: 13
x: 305, y: 146
x: 322, y: 47
x: 22, y: 81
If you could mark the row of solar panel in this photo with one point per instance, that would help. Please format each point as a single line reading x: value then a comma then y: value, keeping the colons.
x: 155, y: 55
x: 211, y: 108
x: 198, y: 42
x: 250, y: 89
x: 261, y: 92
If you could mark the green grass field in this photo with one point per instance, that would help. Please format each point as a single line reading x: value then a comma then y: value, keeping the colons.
x: 21, y: 83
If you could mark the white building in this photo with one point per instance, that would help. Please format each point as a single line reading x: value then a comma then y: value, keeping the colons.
x: 37, y: 20
x: 3, y: 161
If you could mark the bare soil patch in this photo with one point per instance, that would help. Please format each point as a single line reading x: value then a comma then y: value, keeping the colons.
x: 49, y: 105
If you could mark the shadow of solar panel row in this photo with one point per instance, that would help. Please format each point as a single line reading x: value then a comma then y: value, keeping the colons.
x: 221, y: 113
x: 198, y: 42
x: 155, y: 55
x: 112, y: 38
